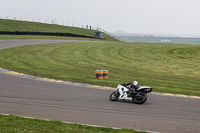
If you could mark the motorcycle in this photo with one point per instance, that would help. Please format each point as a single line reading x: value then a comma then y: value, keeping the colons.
x: 124, y: 92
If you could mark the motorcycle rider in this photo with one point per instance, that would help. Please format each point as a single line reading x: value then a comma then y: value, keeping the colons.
x: 132, y: 87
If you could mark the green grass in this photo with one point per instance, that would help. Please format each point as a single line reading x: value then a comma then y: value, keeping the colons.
x: 28, y: 37
x: 16, y: 124
x: 171, y: 68
x: 14, y: 25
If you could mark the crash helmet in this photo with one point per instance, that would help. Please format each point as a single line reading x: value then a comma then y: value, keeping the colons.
x: 135, y: 83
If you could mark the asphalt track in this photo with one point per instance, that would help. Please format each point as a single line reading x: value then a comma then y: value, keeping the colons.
x: 87, y: 105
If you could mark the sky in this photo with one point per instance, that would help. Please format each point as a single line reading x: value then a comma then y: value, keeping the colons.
x: 173, y: 17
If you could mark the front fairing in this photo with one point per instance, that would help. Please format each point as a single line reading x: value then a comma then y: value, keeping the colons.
x: 123, y: 92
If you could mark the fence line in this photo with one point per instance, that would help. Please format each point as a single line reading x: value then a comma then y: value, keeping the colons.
x: 46, y: 21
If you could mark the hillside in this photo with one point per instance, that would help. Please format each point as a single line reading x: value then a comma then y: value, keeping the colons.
x: 24, y: 26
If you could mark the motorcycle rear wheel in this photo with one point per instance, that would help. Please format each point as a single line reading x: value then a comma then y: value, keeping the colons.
x: 114, y: 96
x: 141, y: 99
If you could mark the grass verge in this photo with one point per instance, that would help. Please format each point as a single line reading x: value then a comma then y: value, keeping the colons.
x: 14, y: 25
x: 16, y: 124
x: 170, y: 68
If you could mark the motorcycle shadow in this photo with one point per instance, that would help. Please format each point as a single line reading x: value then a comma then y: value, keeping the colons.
x: 131, y: 102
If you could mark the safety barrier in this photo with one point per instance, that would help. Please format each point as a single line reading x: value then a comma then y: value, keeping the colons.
x: 43, y: 33
x: 101, y: 74
x: 105, y: 74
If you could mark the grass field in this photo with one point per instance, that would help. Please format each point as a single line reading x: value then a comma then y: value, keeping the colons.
x: 14, y: 25
x: 15, y: 124
x: 171, y: 68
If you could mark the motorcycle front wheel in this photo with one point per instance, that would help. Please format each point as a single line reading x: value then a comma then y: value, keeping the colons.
x: 114, y: 96
x: 140, y: 98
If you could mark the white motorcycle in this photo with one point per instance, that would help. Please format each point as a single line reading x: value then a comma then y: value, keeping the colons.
x: 124, y: 92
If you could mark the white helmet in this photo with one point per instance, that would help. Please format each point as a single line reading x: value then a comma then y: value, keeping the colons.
x: 135, y: 83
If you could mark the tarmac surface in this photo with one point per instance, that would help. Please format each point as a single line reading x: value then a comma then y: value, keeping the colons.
x: 77, y: 103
